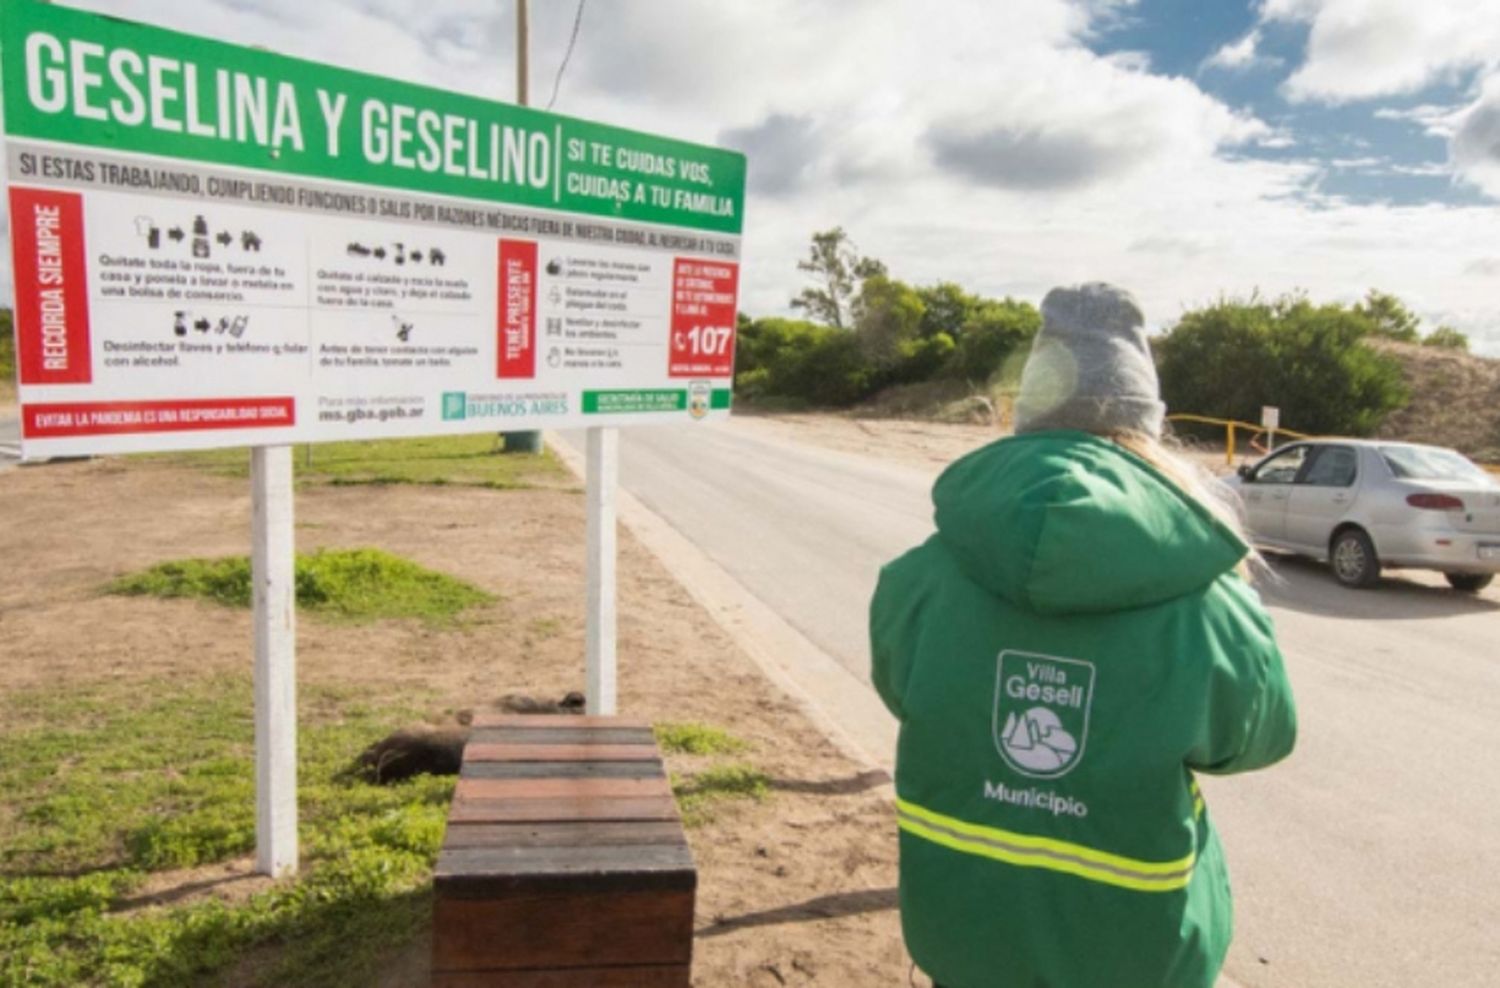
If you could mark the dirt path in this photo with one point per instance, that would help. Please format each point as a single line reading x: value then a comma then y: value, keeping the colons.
x: 797, y: 890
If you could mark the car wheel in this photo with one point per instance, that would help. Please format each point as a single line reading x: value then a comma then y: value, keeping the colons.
x: 1354, y: 561
x: 1469, y: 582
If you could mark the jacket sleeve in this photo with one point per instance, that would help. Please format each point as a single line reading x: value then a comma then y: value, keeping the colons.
x: 892, y: 617
x: 1248, y: 719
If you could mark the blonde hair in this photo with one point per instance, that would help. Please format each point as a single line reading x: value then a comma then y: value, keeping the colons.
x: 1168, y: 456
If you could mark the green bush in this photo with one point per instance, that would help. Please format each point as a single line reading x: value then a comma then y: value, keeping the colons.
x: 1448, y: 338
x: 7, y: 348
x: 991, y: 332
x: 788, y: 358
x: 1230, y: 359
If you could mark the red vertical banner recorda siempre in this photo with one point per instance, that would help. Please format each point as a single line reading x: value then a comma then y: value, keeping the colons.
x: 703, y: 318
x: 517, y: 315
x: 51, y: 291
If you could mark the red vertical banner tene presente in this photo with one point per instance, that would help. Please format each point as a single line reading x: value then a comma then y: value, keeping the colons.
x: 52, y: 298
x: 517, y: 315
x: 703, y: 318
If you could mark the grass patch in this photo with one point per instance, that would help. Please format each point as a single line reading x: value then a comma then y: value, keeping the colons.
x: 103, y: 785
x: 471, y: 460
x: 691, y: 738
x: 702, y: 794
x: 355, y: 584
x: 7, y: 349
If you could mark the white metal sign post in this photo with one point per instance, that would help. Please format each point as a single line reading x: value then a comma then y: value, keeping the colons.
x: 603, y: 470
x: 274, y: 579
x: 220, y: 246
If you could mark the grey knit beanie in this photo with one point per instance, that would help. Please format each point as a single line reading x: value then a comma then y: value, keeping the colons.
x: 1090, y: 367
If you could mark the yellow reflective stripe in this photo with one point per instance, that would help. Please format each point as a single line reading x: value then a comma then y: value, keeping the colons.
x: 1030, y: 851
x: 1197, y: 796
x: 1047, y: 843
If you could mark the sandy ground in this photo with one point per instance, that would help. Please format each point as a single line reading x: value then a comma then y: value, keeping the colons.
x: 797, y: 890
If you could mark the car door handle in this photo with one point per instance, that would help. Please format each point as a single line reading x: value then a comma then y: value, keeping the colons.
x: 1340, y: 498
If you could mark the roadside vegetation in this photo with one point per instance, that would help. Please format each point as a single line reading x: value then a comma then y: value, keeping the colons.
x: 868, y: 335
x: 704, y: 781
x: 867, y: 331
x: 1315, y: 362
x: 352, y: 584
x: 7, y: 357
x: 469, y: 460
x: 120, y: 802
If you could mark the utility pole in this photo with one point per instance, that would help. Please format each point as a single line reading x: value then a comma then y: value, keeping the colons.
x: 522, y: 442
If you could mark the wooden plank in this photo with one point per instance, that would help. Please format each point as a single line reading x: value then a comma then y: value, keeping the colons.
x: 562, y: 809
x: 581, y: 834
x: 490, y: 718
x: 537, y: 930
x: 561, y: 770
x: 501, y: 872
x: 636, y: 859
x: 562, y: 735
x: 631, y: 976
x: 485, y: 752
x: 559, y: 788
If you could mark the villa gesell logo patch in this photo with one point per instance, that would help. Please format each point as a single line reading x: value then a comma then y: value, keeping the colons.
x: 1041, y: 720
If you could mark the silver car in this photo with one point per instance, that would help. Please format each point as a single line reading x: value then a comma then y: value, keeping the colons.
x: 1366, y: 504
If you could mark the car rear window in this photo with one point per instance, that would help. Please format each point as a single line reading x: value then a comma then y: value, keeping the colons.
x: 1427, y: 463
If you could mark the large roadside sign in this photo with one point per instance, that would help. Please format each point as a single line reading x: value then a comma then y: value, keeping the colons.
x: 221, y: 246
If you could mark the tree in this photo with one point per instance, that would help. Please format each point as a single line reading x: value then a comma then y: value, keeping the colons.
x: 992, y: 330
x: 1446, y: 337
x: 1389, y: 317
x: 887, y: 317
x: 946, y: 307
x: 1233, y: 357
x: 836, y: 267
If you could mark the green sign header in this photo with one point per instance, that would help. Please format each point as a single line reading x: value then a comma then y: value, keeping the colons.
x: 80, y: 78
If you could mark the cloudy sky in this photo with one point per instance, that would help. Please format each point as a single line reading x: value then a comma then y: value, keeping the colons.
x: 1186, y: 149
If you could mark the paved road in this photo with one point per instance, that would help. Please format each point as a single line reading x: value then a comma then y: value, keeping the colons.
x: 1368, y: 861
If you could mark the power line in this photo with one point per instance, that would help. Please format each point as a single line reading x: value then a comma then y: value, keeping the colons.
x: 557, y: 83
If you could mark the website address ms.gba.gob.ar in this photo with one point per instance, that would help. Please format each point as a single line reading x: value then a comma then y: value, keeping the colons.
x: 381, y: 414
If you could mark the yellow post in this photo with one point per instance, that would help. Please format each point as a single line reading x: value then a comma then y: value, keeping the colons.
x: 1229, y: 447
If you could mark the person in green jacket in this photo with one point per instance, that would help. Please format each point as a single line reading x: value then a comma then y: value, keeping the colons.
x: 1076, y: 643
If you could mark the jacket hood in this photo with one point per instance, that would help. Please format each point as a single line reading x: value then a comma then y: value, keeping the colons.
x: 1066, y: 522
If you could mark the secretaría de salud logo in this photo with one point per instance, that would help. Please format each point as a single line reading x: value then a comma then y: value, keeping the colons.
x: 1042, y: 707
x: 699, y: 394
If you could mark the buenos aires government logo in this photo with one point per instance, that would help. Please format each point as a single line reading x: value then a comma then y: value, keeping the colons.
x: 1042, y: 706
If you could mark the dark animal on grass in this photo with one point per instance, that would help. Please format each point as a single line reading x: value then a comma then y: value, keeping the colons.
x: 427, y: 749
x: 420, y: 749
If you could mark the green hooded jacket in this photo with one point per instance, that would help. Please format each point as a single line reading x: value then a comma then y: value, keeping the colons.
x: 1063, y: 655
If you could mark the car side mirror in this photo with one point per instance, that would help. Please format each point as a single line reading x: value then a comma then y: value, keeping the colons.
x: 1244, y: 471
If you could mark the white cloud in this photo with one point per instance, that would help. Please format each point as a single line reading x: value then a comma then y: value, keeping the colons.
x: 1239, y: 56
x: 1016, y: 161
x: 1475, y: 148
x: 1367, y: 49
x: 1360, y: 49
x: 1439, y: 121
x: 1130, y: 61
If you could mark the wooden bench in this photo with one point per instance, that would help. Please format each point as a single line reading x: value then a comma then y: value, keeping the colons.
x: 564, y: 864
